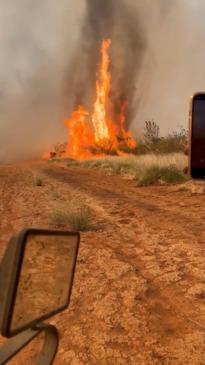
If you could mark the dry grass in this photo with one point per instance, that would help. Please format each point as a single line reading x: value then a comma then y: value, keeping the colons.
x: 193, y: 186
x: 78, y: 219
x: 38, y: 181
x: 133, y: 165
x: 59, y: 217
x: 155, y: 174
x: 146, y: 169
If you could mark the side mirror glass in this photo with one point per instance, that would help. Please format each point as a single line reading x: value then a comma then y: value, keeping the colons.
x: 42, y: 277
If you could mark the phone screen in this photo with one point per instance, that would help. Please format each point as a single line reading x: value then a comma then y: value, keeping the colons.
x: 198, y: 137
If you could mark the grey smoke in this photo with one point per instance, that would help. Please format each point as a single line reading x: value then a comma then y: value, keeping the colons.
x: 173, y: 64
x: 120, y: 22
x: 36, y: 40
x: 49, y: 52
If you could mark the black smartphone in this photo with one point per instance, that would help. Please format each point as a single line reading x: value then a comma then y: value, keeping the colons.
x: 197, y: 136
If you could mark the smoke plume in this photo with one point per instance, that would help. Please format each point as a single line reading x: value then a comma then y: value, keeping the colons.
x: 120, y: 22
x: 49, y: 56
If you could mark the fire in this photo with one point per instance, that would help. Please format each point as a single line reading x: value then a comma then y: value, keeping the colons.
x: 99, y: 118
x: 80, y: 134
x: 98, y: 133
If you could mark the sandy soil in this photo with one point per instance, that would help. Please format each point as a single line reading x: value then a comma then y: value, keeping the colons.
x: 139, y: 292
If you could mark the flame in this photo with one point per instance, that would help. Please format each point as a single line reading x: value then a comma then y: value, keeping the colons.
x: 98, y: 133
x: 126, y: 135
x: 99, y: 118
x: 80, y: 134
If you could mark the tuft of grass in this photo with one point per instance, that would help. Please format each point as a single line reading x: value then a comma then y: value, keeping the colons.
x: 154, y: 174
x: 116, y: 165
x: 38, y: 181
x: 59, y: 217
x: 131, y: 164
x: 78, y: 219
x: 172, y: 175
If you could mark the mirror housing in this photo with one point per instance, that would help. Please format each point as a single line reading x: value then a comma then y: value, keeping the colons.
x: 59, y: 250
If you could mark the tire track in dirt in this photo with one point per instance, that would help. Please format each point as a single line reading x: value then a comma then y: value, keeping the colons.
x: 133, y: 275
x: 160, y: 203
x: 132, y: 202
x: 166, y: 295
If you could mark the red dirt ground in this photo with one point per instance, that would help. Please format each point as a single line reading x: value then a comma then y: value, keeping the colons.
x: 139, y: 291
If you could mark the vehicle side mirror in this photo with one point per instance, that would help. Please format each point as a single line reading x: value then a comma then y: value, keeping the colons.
x: 36, y: 278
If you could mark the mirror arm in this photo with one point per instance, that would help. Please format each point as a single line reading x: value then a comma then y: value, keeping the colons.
x: 51, y: 342
x: 17, y: 343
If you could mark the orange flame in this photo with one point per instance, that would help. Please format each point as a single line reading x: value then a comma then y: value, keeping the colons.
x: 80, y: 134
x: 98, y: 132
x: 99, y: 118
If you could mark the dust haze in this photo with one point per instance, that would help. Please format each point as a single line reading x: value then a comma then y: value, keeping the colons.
x: 49, y: 52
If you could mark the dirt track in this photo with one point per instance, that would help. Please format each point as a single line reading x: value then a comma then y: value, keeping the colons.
x: 139, y: 293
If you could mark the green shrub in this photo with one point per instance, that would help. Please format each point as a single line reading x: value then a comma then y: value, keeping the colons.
x: 148, y: 176
x: 151, y: 141
x: 172, y: 175
x: 142, y: 148
x: 155, y: 174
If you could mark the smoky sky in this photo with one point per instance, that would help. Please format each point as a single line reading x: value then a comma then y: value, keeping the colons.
x: 50, y: 56
x: 173, y: 63
x: 114, y: 20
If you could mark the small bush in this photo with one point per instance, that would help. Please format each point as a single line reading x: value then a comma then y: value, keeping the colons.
x: 172, y: 175
x: 38, y: 181
x: 59, y: 217
x: 78, y: 219
x: 151, y: 131
x: 152, y: 142
x: 155, y: 174
x: 149, y: 176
